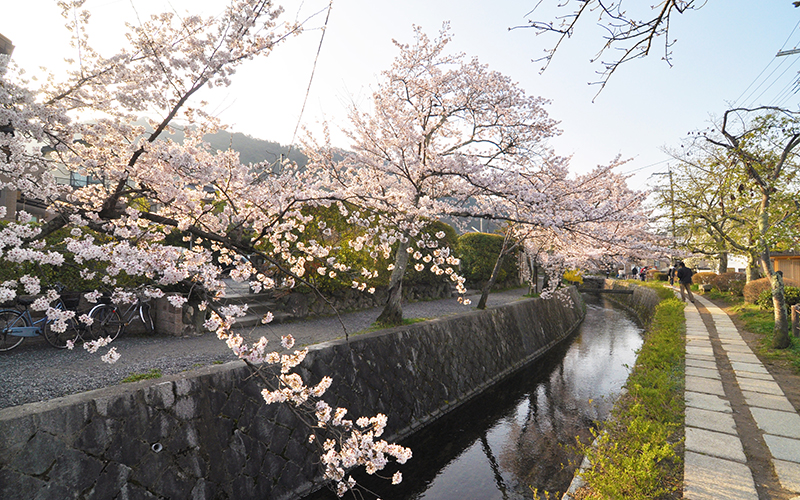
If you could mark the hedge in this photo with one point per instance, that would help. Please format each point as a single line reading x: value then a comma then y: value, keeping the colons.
x: 478, y: 253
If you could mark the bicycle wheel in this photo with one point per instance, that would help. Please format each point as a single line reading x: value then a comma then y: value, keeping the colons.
x: 60, y: 339
x: 10, y: 318
x: 106, y: 322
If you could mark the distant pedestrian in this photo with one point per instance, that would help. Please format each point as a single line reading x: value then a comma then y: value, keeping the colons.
x: 634, y: 272
x: 684, y: 275
x: 671, y: 275
x: 643, y: 273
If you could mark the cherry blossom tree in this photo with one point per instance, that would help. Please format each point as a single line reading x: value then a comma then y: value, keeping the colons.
x: 443, y: 130
x: 146, y: 187
x: 575, y: 222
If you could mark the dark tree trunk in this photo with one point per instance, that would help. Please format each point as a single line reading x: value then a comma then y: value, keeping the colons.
x: 492, y: 280
x: 392, y: 313
x: 723, y: 263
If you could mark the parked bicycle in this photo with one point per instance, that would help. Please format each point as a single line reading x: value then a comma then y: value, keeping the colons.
x: 16, y: 325
x: 108, y: 322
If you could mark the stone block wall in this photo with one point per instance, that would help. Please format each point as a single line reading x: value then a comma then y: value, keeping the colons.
x: 207, y: 434
x: 642, y: 302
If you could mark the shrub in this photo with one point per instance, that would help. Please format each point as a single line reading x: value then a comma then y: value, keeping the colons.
x: 790, y: 293
x: 426, y: 277
x: 704, y: 278
x: 729, y: 282
x: 478, y: 253
x: 659, y: 276
x: 753, y: 290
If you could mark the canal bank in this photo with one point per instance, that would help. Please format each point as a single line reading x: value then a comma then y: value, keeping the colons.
x: 521, y: 433
x: 207, y: 434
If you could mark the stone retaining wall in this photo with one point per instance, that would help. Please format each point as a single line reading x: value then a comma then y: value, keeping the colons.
x: 208, y: 434
x: 642, y: 303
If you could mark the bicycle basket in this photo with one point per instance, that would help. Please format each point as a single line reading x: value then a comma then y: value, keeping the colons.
x: 71, y: 299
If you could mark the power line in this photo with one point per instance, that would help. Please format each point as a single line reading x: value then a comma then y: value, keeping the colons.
x: 311, y: 79
x: 772, y: 60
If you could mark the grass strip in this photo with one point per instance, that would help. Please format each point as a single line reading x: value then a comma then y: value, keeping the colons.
x: 135, y: 377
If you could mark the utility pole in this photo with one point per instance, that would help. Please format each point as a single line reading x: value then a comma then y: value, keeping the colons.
x: 8, y: 197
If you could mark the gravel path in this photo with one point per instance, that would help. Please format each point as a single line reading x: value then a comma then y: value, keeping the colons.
x: 35, y: 371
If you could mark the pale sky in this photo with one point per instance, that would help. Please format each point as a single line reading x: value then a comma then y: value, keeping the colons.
x: 724, y: 54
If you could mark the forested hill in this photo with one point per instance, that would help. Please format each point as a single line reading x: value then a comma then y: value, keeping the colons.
x: 250, y: 149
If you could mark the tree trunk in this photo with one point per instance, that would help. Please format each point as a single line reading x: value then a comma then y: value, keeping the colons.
x: 492, y: 279
x: 392, y: 313
x: 780, y: 335
x: 723, y: 263
x: 535, y: 274
x: 752, y: 272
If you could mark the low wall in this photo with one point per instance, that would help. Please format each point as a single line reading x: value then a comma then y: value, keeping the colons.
x: 642, y: 302
x: 208, y: 434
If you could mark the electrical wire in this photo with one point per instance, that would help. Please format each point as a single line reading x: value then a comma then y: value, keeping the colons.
x: 311, y: 78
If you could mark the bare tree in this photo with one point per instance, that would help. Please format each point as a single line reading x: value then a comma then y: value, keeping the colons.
x: 632, y: 36
x: 762, y: 141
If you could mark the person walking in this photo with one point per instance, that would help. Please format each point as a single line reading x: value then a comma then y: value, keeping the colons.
x: 684, y: 275
x: 671, y: 274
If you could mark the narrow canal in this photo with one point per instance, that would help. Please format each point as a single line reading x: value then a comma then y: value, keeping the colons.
x: 522, y: 433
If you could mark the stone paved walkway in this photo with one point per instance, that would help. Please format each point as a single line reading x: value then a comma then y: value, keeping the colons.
x: 716, y: 465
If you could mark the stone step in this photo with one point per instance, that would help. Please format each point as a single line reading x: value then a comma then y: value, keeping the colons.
x: 252, y: 320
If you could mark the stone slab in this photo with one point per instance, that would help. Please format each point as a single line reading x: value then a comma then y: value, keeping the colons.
x: 767, y: 401
x: 737, y: 348
x: 710, y: 478
x: 748, y: 367
x: 704, y: 385
x: 701, y: 363
x: 743, y: 357
x: 778, y: 423
x: 715, y: 444
x: 699, y: 344
x: 709, y: 402
x: 788, y: 474
x: 762, y: 386
x: 702, y: 372
x: 783, y: 448
x: 735, y: 345
x: 699, y: 350
x: 710, y: 420
x: 701, y: 357
x: 759, y: 376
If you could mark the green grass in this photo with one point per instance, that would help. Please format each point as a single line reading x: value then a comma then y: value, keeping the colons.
x: 637, y: 454
x: 135, y: 377
x: 374, y: 327
x: 761, y: 322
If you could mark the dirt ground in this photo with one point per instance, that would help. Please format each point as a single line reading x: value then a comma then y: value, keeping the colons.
x: 756, y: 450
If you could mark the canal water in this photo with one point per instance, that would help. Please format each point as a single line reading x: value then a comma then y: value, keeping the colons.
x: 522, y: 433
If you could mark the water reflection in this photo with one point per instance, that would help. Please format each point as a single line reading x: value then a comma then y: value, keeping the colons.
x: 521, y: 433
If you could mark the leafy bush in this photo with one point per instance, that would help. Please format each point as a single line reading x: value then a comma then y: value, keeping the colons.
x: 704, y: 278
x: 573, y: 276
x: 753, y: 290
x: 69, y: 273
x: 478, y: 253
x: 659, y: 276
x: 426, y: 277
x: 730, y: 282
x: 790, y: 293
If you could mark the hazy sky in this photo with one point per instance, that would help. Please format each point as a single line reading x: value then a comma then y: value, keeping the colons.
x: 724, y: 54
